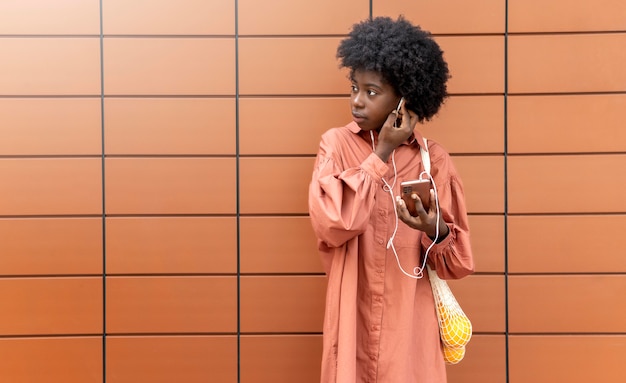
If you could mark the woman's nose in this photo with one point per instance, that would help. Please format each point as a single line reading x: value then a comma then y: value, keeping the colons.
x: 356, y: 100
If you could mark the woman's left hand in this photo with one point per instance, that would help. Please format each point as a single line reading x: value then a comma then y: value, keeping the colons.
x: 425, y: 221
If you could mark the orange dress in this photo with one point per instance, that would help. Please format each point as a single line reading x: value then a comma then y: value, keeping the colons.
x: 380, y: 325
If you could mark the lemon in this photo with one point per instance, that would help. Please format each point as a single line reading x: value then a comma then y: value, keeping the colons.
x: 453, y: 355
x: 456, y: 331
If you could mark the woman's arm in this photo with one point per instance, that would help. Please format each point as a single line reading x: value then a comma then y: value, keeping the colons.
x: 451, y: 255
x: 341, y: 200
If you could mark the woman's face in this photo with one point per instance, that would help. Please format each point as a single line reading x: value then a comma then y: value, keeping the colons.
x: 371, y: 99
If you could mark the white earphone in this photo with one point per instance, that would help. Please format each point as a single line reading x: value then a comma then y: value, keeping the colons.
x: 418, y: 271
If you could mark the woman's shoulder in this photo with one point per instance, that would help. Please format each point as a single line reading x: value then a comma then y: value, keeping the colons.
x: 341, y: 135
x: 437, y: 151
x: 441, y: 160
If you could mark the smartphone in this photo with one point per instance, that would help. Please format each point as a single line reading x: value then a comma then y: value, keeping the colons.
x: 400, y: 104
x: 399, y: 119
x: 419, y: 187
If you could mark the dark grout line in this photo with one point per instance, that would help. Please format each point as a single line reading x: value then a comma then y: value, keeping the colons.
x: 506, y: 193
x: 104, y: 220
x: 238, y: 188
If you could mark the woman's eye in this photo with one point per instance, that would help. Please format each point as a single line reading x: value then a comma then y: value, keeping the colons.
x: 353, y: 88
x: 371, y: 92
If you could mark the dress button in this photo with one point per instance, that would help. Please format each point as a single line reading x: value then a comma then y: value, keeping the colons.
x: 380, y: 241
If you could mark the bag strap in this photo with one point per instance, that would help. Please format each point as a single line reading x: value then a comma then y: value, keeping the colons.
x: 425, y: 156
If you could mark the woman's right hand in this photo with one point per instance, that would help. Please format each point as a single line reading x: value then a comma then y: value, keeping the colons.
x: 391, y: 137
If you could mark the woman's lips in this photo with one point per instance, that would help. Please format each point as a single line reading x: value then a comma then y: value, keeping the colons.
x: 358, y: 118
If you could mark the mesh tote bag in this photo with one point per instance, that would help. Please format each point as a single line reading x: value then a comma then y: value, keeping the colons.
x: 455, y: 328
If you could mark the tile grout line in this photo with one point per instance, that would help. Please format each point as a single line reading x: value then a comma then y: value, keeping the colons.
x: 237, y: 190
x: 506, y: 195
x: 104, y: 311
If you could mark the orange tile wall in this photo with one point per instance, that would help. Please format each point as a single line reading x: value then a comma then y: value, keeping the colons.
x: 155, y: 157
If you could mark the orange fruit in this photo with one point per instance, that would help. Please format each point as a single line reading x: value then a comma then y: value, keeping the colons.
x: 453, y: 355
x: 456, y: 331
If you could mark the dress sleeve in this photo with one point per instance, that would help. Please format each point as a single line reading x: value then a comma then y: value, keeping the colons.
x: 341, y: 197
x: 452, y: 258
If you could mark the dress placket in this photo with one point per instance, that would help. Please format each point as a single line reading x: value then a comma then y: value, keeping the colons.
x: 377, y: 277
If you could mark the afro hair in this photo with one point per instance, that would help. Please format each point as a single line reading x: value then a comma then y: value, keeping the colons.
x: 406, y: 57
